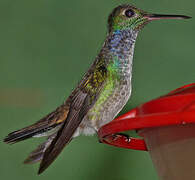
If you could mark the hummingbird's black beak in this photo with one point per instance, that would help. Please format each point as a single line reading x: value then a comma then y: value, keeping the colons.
x: 152, y: 17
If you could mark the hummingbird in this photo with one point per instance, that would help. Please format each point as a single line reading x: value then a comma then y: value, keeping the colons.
x: 99, y: 96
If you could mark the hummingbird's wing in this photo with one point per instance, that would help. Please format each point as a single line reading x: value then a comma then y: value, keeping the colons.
x: 82, y: 99
x: 61, y: 124
x: 80, y: 105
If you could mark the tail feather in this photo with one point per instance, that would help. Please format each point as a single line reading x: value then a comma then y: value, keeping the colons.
x: 17, y: 136
x: 47, y: 126
x: 41, y: 127
x: 26, y: 133
x: 37, y: 155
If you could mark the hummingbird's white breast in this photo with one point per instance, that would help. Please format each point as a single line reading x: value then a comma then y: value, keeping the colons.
x: 116, y: 91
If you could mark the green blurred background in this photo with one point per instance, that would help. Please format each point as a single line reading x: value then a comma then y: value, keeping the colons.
x: 47, y: 45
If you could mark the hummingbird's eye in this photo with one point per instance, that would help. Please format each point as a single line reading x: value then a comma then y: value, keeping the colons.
x: 129, y: 13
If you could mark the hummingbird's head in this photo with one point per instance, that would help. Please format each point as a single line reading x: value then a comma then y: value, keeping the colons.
x: 126, y: 17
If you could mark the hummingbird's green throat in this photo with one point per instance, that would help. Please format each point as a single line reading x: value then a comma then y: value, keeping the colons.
x: 99, y: 96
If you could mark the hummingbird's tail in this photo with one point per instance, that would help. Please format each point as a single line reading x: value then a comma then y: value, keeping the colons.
x: 33, y: 131
x: 37, y: 155
x: 47, y: 126
x: 44, y: 127
x: 28, y: 132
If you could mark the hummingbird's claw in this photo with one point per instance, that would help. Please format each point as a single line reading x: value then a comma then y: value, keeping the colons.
x: 119, y: 135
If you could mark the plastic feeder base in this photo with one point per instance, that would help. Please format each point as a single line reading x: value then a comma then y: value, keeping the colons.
x: 172, y: 150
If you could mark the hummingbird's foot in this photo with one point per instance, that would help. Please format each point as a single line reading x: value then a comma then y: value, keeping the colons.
x: 119, y: 135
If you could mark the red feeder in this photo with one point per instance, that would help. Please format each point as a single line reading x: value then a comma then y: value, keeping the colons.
x: 167, y: 126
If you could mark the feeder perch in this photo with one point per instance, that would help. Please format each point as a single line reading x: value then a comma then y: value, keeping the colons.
x: 167, y: 125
